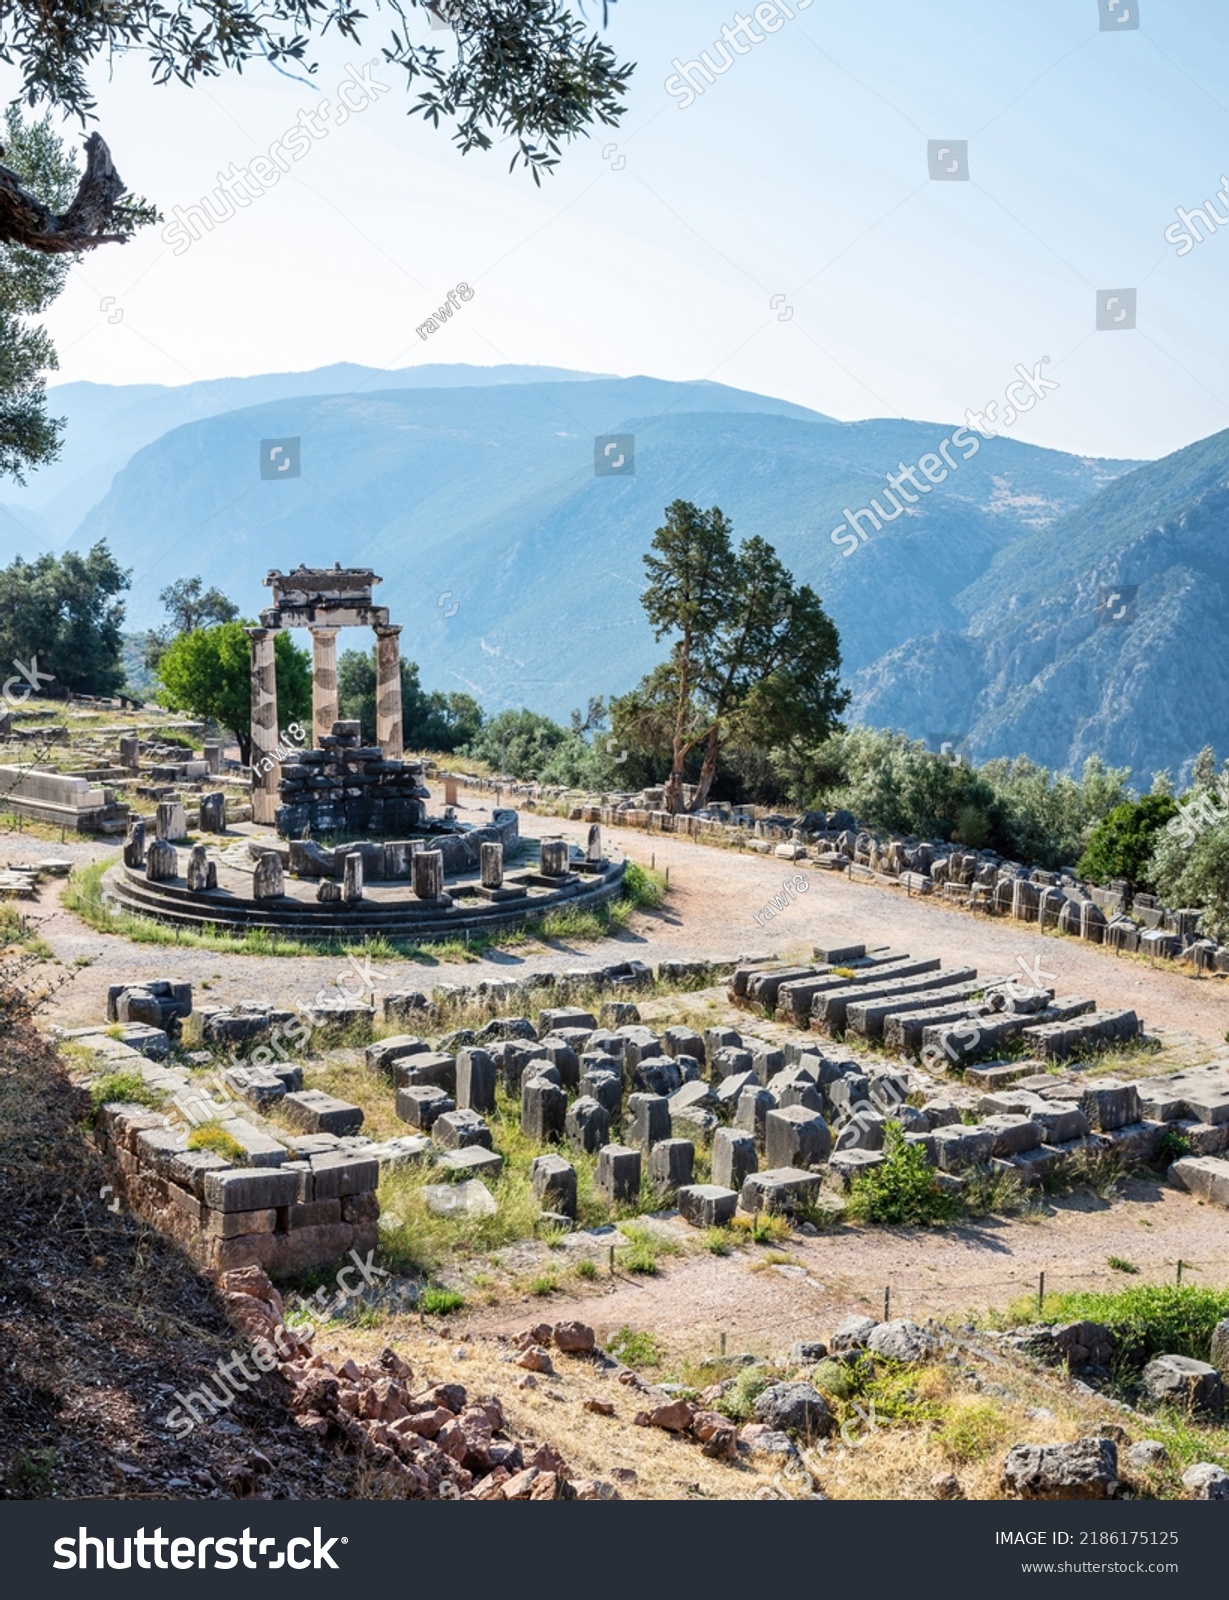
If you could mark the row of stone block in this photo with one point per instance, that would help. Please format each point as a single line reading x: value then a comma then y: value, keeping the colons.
x: 282, y: 1213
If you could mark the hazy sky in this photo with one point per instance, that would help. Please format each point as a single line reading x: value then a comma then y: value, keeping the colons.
x: 780, y: 233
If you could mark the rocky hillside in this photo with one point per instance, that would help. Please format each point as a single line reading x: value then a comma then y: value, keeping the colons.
x: 515, y: 569
x: 1089, y: 636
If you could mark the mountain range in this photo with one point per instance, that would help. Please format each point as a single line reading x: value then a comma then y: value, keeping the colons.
x: 1020, y: 601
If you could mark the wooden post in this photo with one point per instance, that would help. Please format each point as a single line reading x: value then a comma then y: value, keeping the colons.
x: 887, y: 1304
x: 1179, y: 1277
x: 612, y: 1250
x: 1041, y: 1292
x: 723, y: 1344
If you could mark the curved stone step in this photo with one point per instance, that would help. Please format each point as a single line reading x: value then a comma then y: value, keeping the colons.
x: 176, y: 907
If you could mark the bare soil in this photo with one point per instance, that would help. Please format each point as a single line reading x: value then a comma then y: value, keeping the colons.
x: 941, y: 1272
x: 710, y: 913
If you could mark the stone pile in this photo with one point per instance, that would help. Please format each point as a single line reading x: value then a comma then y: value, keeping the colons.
x: 344, y: 786
x: 428, y: 1441
x: 912, y: 1005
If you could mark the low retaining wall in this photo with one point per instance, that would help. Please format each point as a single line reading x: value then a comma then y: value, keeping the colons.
x: 284, y: 1218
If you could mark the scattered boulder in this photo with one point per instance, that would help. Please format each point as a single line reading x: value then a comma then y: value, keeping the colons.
x: 1181, y: 1380
x: 574, y: 1338
x: 1084, y: 1470
x: 795, y: 1408
x: 902, y: 1340
x: 1147, y: 1453
x: 676, y: 1416
x: 1206, y: 1481
x: 852, y: 1334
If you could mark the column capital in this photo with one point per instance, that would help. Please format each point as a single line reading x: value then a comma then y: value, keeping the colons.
x: 258, y: 633
x: 323, y: 631
x: 387, y: 630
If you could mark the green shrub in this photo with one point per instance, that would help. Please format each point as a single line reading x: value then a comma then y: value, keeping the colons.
x: 635, y: 1349
x: 1122, y: 843
x: 643, y: 886
x: 738, y: 1402
x: 834, y: 1379
x: 1148, y: 1319
x: 902, y: 1190
x: 1196, y: 875
x: 973, y: 1429
x: 129, y: 1088
x: 212, y: 1136
x: 436, y: 1301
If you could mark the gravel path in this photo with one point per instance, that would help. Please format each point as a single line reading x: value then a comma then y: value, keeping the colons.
x: 941, y: 1272
x: 710, y: 913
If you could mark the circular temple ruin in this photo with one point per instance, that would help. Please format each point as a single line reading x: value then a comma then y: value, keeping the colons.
x: 392, y: 868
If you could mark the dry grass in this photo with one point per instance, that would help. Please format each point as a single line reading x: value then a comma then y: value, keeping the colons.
x: 666, y: 1467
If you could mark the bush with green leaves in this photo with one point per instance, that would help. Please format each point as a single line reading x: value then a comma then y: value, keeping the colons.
x: 902, y: 1190
x: 1122, y: 843
x: 1147, y: 1320
x: 1195, y: 875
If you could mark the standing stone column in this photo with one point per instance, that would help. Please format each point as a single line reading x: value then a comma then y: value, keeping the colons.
x: 265, y: 765
x: 491, y: 857
x: 324, y: 682
x: 388, y: 692
x: 429, y: 874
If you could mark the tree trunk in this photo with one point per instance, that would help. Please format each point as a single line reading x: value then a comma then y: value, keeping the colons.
x: 243, y: 738
x: 708, y: 769
x: 673, y: 796
x: 26, y: 221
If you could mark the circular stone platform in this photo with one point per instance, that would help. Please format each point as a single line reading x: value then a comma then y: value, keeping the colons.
x: 387, y: 907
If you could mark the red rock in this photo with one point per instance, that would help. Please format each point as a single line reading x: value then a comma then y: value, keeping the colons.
x: 675, y: 1417
x: 392, y: 1363
x: 546, y: 1486
x: 535, y: 1359
x: 452, y: 1441
x: 540, y: 1334
x: 494, y: 1413
x: 518, y: 1488
x: 599, y: 1408
x: 450, y: 1395
x: 427, y: 1423
x: 595, y: 1489
x: 574, y: 1338
x: 546, y: 1458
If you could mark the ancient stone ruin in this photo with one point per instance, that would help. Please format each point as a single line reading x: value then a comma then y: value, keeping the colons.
x: 346, y: 787
x: 322, y: 601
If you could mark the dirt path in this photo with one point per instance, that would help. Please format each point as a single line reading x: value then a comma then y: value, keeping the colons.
x: 714, y: 897
x: 940, y: 1272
